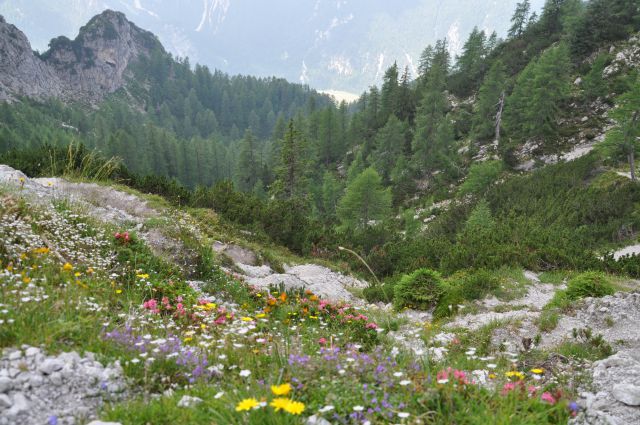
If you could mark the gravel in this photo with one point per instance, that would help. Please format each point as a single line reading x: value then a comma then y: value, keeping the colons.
x: 36, y: 388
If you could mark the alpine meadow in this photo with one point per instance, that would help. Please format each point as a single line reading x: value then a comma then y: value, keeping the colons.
x: 457, y: 244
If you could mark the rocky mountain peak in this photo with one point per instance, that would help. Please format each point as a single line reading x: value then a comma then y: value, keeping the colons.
x: 86, y: 68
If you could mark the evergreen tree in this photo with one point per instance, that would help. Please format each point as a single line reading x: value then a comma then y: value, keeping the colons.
x: 431, y: 121
x: 331, y: 193
x: 533, y: 109
x: 519, y: 19
x: 486, y: 107
x: 365, y: 201
x: 470, y: 64
x: 623, y: 139
x: 389, y: 94
x: 389, y: 145
x: 248, y: 166
x: 290, y: 174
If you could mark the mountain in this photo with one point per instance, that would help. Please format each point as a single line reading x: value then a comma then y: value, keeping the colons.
x: 329, y: 44
x: 86, y: 68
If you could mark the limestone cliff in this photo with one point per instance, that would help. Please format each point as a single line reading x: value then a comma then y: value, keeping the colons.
x: 85, y: 69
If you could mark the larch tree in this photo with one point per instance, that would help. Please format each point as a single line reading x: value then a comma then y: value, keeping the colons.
x: 365, y: 202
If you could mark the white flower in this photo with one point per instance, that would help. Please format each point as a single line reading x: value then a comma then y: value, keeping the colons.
x: 405, y: 382
x: 218, y: 395
x: 492, y: 366
x: 245, y: 372
x: 326, y: 409
x: 403, y: 415
x: 397, y: 374
x: 358, y: 408
x: 442, y: 381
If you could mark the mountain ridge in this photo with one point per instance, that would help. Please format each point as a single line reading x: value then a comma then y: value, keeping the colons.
x: 87, y: 68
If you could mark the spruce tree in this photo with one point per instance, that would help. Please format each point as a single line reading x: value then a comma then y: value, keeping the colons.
x: 247, y: 168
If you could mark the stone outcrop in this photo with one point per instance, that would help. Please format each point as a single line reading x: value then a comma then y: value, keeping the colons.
x: 85, y: 69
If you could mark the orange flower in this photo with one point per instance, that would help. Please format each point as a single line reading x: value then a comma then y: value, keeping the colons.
x: 283, y: 297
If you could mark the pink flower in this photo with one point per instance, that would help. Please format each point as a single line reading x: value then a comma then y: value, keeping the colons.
x: 459, y: 374
x: 220, y: 320
x: 532, y: 390
x: 371, y: 325
x: 322, y: 341
x: 548, y: 398
x: 442, y: 375
x: 117, y: 235
x: 508, y: 387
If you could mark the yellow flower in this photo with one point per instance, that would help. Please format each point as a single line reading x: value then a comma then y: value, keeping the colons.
x: 247, y: 404
x: 514, y: 374
x: 67, y: 267
x: 26, y: 279
x: 143, y: 275
x: 90, y: 270
x: 247, y: 319
x: 537, y: 371
x: 260, y: 316
x: 288, y: 405
x: 283, y: 389
x: 492, y: 376
x: 280, y: 403
x: 77, y: 274
x: 43, y: 250
x: 118, y: 291
x: 187, y: 339
x: 295, y: 408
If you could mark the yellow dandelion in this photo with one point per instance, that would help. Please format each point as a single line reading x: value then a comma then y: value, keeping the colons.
x: 247, y: 319
x: 260, y: 316
x: 26, y: 279
x: 247, y: 404
x: 280, y: 403
x: 118, y: 291
x: 77, y: 274
x: 294, y: 407
x: 537, y: 371
x: 514, y: 374
x: 67, y: 267
x: 283, y: 389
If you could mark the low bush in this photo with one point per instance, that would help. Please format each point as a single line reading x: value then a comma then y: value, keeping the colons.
x: 421, y: 290
x: 589, y: 284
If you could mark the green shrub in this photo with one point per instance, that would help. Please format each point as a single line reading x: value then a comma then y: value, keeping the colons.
x: 381, y: 293
x: 589, y: 284
x: 465, y: 286
x: 421, y: 290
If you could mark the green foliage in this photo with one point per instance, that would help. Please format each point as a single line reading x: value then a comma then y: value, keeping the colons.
x: 365, y: 201
x: 420, y: 290
x: 604, y: 21
x: 589, y: 284
x: 541, y: 90
x: 586, y: 346
x: 593, y: 84
x: 481, y: 175
x: 487, y: 105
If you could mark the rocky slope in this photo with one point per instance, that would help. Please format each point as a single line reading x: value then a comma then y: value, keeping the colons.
x: 87, y: 68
